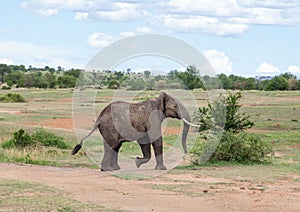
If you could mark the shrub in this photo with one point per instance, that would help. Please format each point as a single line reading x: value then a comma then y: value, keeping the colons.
x: 46, y: 138
x: 40, y: 137
x: 6, y: 87
x: 12, y: 98
x: 113, y: 84
x: 21, y: 139
x: 224, y: 113
x: 137, y: 84
x: 233, y: 147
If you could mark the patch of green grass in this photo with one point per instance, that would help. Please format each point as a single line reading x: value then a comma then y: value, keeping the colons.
x: 40, y: 137
x: 193, y: 189
x: 130, y: 176
x: 22, y: 196
x: 12, y: 98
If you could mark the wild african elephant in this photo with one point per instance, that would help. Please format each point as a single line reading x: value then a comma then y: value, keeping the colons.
x: 122, y: 121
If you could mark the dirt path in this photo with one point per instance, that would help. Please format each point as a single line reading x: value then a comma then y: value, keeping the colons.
x: 212, y: 194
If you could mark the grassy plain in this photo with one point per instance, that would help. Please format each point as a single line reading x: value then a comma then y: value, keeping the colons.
x: 276, y: 115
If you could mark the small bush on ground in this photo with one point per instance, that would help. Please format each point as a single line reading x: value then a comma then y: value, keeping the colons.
x: 233, y: 144
x: 40, y: 137
x: 46, y: 138
x: 21, y: 139
x: 233, y: 147
x: 12, y: 98
x: 223, y: 112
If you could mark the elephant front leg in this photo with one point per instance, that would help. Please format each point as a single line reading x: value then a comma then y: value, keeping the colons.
x: 158, y: 151
x: 146, y: 155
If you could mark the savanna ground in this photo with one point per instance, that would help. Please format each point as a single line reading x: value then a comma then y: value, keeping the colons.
x: 52, y: 180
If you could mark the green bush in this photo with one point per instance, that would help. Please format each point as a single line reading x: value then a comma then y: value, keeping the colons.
x: 137, y: 85
x: 40, y: 137
x: 12, y: 98
x: 224, y: 113
x: 233, y: 147
x: 46, y: 138
x: 6, y: 87
x: 21, y: 139
x: 113, y: 84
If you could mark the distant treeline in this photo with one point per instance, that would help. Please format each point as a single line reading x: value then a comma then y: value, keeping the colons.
x: 47, y: 77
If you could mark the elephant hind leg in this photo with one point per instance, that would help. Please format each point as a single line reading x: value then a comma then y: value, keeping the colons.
x: 146, y: 154
x: 110, y: 157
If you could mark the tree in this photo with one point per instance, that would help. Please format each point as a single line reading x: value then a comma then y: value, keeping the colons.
x: 51, y: 80
x: 147, y: 74
x: 292, y: 83
x: 224, y: 113
x: 66, y: 81
x: 288, y: 75
x: 72, y: 72
x: 190, y: 78
x: 29, y: 80
x: 15, y: 77
x: 225, y: 81
x: 137, y: 84
x: 113, y: 84
x: 278, y: 83
x: 4, y: 69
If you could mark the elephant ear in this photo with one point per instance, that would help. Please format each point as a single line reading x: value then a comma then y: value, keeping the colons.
x: 162, y: 102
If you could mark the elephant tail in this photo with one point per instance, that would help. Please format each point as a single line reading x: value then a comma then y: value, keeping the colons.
x: 78, y: 146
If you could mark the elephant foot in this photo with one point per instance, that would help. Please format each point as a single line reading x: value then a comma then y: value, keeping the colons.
x: 116, y: 167
x: 160, y: 167
x: 139, y: 161
x: 106, y: 168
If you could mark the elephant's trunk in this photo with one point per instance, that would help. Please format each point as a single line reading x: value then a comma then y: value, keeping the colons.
x: 184, y: 115
x: 184, y: 136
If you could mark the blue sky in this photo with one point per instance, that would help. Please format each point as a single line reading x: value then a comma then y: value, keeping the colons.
x: 243, y: 37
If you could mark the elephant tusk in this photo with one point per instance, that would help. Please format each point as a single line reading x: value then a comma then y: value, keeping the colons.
x: 193, y: 125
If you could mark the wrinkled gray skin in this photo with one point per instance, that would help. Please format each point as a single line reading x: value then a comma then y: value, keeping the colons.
x: 122, y: 121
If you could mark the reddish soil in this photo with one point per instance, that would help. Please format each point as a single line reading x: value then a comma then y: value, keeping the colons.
x: 171, y: 131
x: 205, y: 194
x: 63, y: 123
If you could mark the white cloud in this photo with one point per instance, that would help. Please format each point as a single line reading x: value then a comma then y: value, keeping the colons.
x: 82, y: 16
x: 231, y: 17
x: 100, y: 40
x: 125, y: 12
x: 48, y: 12
x: 23, y: 49
x: 38, y: 56
x: 54, y: 62
x: 127, y: 34
x: 7, y: 61
x: 270, y: 3
x: 143, y: 30
x: 204, y: 24
x: 219, y: 17
x: 219, y: 61
x: 72, y: 5
x: 294, y: 69
x: 217, y: 7
x: 266, y: 68
x: 102, y: 10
